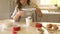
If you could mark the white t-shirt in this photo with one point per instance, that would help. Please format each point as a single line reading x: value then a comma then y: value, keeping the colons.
x: 29, y: 10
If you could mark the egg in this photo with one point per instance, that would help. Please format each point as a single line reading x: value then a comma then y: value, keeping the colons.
x: 55, y: 27
x: 49, y: 26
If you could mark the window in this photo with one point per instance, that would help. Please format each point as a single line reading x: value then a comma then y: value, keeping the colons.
x: 44, y: 2
x: 49, y: 2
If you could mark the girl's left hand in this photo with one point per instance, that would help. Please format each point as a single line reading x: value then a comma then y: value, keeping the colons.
x: 38, y: 11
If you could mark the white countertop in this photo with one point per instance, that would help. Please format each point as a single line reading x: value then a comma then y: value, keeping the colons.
x: 47, y: 12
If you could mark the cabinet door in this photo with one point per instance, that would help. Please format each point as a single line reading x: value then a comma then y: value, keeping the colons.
x: 49, y: 18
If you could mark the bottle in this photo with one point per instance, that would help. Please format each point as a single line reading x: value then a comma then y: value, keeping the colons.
x: 28, y: 21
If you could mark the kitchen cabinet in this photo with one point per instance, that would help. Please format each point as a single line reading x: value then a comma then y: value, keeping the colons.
x: 50, y: 14
x: 49, y: 17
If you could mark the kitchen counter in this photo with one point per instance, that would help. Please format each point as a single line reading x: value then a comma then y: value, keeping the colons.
x: 51, y: 12
x: 54, y: 23
x: 8, y: 30
x: 25, y: 30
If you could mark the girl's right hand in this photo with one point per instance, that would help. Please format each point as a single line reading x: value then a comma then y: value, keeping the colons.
x: 21, y: 13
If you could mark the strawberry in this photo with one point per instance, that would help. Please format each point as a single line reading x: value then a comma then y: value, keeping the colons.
x: 16, y: 28
x: 38, y: 25
x: 14, y: 32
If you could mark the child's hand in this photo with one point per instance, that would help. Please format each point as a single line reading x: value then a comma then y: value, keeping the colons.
x: 21, y: 13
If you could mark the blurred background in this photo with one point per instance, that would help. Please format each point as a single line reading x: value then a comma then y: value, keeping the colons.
x: 49, y: 8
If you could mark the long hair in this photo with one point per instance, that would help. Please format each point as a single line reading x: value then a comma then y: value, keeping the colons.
x: 20, y: 5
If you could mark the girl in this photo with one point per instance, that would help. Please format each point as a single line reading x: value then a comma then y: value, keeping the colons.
x: 19, y: 12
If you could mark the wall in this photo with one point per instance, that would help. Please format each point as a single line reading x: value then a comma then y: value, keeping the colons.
x: 4, y: 9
